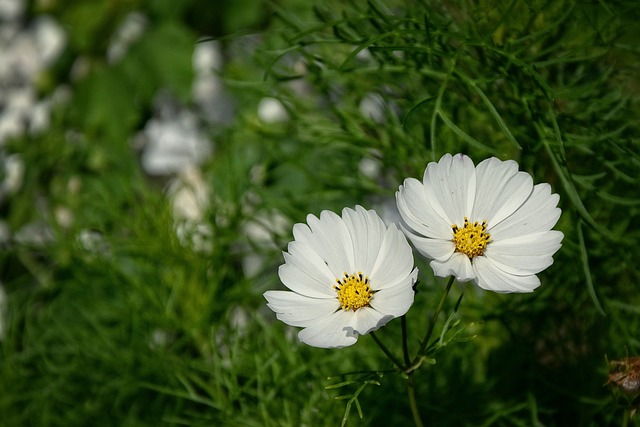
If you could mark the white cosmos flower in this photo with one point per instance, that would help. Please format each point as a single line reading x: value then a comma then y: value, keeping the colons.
x: 487, y: 223
x: 348, y: 275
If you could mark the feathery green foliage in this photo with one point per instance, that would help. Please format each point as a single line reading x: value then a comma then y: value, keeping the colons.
x: 138, y: 328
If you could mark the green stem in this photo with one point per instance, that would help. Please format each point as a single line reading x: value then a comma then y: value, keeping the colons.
x: 411, y: 367
x: 405, y: 348
x: 434, y: 318
x: 386, y: 351
x: 412, y: 402
x: 625, y: 418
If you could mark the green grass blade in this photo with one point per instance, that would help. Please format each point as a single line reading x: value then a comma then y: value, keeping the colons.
x: 462, y: 134
x: 492, y: 109
x: 586, y: 270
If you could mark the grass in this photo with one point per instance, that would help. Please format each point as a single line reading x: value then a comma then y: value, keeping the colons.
x: 137, y: 328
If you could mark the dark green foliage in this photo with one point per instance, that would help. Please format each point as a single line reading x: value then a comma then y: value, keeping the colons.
x: 140, y: 329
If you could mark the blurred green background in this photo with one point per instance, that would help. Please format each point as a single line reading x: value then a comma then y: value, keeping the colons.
x: 155, y: 154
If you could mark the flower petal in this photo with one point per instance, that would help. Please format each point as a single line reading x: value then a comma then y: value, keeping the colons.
x: 490, y: 172
x: 368, y: 319
x: 458, y: 265
x: 324, y: 250
x: 438, y: 249
x: 305, y: 272
x: 519, y: 218
x: 396, y: 300
x: 367, y: 231
x: 417, y: 212
x: 329, y: 238
x: 501, y: 190
x: 394, y: 262
x: 450, y: 186
x: 525, y: 255
x: 492, y: 278
x: 538, y: 213
x: 333, y: 331
x: 298, y: 310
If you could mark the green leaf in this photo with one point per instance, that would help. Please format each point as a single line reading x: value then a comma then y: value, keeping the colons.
x: 102, y: 104
x: 557, y: 155
x: 462, y: 134
x: 584, y: 257
x: 162, y: 58
x: 491, y: 107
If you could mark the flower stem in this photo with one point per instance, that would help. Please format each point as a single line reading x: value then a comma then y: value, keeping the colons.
x: 405, y: 348
x: 411, y: 367
x: 412, y: 402
x: 434, y: 318
x: 625, y: 418
x: 386, y: 351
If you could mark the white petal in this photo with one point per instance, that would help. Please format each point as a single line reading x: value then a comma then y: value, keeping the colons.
x: 525, y: 255
x: 542, y: 243
x: 522, y: 266
x: 305, y: 272
x: 428, y: 182
x: 489, y: 173
x: 329, y: 238
x: 395, y: 301
x: 438, y: 249
x: 417, y: 212
x: 452, y: 184
x: 298, y: 310
x: 538, y: 213
x: 367, y: 232
x: 368, y: 319
x: 492, y: 278
x: 333, y: 331
x: 394, y: 262
x: 458, y: 265
x: 501, y: 190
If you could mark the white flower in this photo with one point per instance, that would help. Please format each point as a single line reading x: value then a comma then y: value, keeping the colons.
x: 174, y: 143
x: 349, y: 275
x: 272, y: 110
x: 488, y: 223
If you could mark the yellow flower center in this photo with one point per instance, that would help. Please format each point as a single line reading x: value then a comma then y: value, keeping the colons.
x: 354, y: 291
x: 471, y: 239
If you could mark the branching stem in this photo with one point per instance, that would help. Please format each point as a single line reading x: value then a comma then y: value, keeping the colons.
x: 386, y: 351
x: 434, y: 318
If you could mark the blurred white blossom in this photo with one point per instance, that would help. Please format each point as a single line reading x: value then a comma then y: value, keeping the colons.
x: 64, y: 216
x: 365, y: 56
x: 93, y: 242
x: 12, y: 172
x: 207, y: 57
x: 173, y: 144
x: 50, y: 40
x: 261, y: 234
x: 189, y: 197
x: 372, y: 107
x: 36, y: 233
x: 371, y: 165
x: 11, y: 10
x: 26, y: 51
x: 271, y: 110
x: 208, y: 91
x: 131, y: 30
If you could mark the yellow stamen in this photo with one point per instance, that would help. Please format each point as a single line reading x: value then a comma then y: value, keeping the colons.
x: 354, y: 291
x: 471, y: 239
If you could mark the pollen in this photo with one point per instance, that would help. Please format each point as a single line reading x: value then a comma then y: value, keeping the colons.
x: 471, y: 239
x: 354, y: 291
